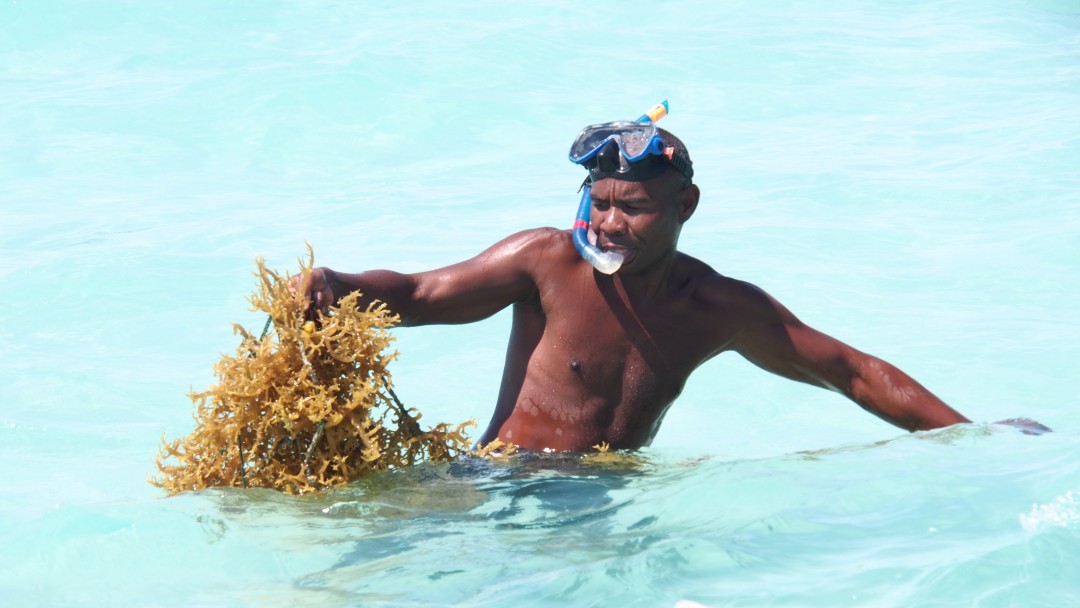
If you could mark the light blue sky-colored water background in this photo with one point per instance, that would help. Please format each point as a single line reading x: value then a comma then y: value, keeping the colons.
x: 902, y: 175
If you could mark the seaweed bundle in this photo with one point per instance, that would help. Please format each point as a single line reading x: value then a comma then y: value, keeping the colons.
x: 303, y: 407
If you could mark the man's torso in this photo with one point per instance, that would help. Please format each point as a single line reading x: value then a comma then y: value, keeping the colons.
x: 591, y: 361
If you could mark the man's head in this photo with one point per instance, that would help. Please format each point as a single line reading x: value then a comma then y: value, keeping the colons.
x: 641, y: 220
x: 638, y: 194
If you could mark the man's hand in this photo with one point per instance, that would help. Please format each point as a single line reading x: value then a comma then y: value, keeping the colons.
x: 318, y: 295
x: 1027, y: 426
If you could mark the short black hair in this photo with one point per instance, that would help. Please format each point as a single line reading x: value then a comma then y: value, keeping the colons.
x: 682, y: 153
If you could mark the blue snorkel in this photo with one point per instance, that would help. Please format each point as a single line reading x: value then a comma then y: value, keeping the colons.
x: 586, y: 150
x: 606, y: 262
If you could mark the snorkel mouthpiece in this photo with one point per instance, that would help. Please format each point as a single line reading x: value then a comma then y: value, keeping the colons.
x: 611, y: 161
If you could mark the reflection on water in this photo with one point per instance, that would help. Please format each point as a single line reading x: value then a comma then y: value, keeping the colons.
x: 405, y: 523
x: 403, y: 508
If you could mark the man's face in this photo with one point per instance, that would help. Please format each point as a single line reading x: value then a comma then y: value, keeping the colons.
x: 641, y: 220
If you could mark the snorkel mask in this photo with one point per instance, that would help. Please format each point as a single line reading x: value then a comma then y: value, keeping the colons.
x: 625, y: 150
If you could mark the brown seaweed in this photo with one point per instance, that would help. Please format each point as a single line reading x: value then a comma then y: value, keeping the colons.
x: 306, y: 406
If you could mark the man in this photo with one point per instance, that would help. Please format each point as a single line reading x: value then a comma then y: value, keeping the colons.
x: 598, y: 358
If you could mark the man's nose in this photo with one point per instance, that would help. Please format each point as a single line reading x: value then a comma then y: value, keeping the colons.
x: 612, y: 221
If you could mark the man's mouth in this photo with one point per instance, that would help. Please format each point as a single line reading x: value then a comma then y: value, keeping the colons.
x: 616, y: 247
x: 626, y: 252
x: 604, y: 245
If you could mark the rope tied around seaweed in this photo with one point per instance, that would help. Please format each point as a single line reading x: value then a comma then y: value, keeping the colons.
x: 252, y: 353
x: 403, y: 413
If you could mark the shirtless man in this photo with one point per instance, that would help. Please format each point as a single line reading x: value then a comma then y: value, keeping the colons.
x: 597, y: 358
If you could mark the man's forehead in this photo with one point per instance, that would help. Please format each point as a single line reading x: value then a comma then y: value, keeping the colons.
x: 620, y: 188
x: 655, y: 188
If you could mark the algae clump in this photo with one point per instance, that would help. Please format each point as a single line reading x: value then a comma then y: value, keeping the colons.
x: 306, y: 406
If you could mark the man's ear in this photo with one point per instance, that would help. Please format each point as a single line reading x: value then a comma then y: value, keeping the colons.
x: 687, y: 201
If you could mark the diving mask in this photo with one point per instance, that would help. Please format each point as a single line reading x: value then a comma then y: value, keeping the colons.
x: 625, y: 150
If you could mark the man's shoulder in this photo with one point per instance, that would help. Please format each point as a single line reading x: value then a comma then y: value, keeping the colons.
x: 539, y: 243
x: 543, y: 235
x: 535, y: 253
x: 718, y: 291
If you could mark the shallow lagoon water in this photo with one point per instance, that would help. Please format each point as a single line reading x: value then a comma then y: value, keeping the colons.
x: 901, y: 175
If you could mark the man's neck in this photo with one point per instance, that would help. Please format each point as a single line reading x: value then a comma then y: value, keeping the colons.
x: 651, y: 284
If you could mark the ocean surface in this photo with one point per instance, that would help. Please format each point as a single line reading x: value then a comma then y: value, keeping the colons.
x: 904, y: 176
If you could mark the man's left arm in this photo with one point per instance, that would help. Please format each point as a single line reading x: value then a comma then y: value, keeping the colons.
x: 772, y: 338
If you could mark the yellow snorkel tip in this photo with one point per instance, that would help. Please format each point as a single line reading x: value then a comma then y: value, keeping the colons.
x: 655, y: 113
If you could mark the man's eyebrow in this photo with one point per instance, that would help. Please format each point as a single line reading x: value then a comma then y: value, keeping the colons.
x: 633, y: 200
x: 629, y: 200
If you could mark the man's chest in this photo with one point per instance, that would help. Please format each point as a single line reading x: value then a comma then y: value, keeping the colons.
x: 604, y: 342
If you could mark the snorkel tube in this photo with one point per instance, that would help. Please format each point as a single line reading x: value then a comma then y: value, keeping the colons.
x: 607, y: 262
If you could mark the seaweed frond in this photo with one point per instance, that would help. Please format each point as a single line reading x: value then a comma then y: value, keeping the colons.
x: 307, y: 406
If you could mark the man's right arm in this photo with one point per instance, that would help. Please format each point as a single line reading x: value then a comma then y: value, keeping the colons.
x: 464, y: 292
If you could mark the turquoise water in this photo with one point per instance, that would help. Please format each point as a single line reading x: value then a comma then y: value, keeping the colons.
x: 902, y: 175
